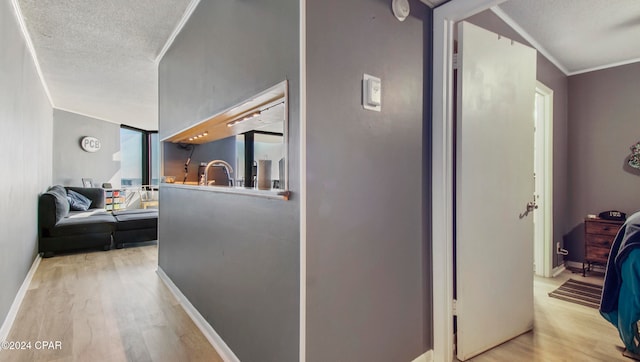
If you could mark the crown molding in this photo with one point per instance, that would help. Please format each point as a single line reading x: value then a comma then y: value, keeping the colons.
x: 32, y: 50
x: 183, y: 21
x: 605, y: 66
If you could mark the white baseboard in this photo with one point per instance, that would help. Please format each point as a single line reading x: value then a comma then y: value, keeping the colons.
x: 558, y: 270
x: 212, y: 336
x: 15, y: 306
x: 425, y: 357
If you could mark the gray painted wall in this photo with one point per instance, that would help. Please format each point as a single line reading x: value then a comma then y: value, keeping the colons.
x: 71, y: 163
x: 368, y: 296
x: 604, y: 115
x: 27, y: 129
x: 174, y: 157
x: 235, y: 257
x: 552, y: 77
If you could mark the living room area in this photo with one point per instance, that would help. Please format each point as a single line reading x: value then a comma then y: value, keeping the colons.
x: 104, y: 191
x: 43, y: 148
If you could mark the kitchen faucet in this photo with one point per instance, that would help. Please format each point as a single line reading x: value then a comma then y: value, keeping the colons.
x: 226, y: 165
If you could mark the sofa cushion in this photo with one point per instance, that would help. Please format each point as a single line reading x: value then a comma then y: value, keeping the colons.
x: 78, y: 201
x: 136, y: 219
x: 91, y: 212
x: 136, y: 211
x: 87, y: 222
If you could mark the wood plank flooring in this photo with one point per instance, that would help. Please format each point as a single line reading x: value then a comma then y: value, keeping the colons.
x: 563, y: 331
x: 111, y: 306
x: 105, y: 306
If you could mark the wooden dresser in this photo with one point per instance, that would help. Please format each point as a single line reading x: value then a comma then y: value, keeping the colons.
x: 598, y: 237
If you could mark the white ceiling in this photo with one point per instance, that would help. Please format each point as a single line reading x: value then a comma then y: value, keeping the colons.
x: 580, y: 35
x: 99, y: 57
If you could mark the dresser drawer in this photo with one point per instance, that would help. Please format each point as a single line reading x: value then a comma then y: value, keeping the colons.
x: 597, y: 240
x: 602, y: 228
x: 597, y: 254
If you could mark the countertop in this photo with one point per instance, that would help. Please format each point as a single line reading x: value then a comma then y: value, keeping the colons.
x: 276, y: 194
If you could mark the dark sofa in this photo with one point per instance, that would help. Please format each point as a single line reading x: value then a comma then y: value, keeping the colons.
x: 134, y: 226
x: 61, y: 229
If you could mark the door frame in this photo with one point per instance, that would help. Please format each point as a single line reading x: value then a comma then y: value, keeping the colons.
x: 544, y: 233
x: 444, y: 19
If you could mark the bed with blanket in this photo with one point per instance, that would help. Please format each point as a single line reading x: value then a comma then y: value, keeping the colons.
x: 620, y: 302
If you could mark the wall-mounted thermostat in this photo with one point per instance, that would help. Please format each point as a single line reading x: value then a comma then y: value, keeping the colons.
x: 371, y: 93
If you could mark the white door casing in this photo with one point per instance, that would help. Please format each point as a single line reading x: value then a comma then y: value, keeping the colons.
x: 444, y: 18
x: 544, y: 245
x: 494, y: 184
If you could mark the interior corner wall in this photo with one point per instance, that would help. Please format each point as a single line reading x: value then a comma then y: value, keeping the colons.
x: 26, y: 123
x: 603, y: 121
x: 235, y: 257
x: 367, y: 266
x: 554, y: 78
x: 71, y: 163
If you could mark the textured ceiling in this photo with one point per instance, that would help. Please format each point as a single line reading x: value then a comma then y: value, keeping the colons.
x: 98, y: 56
x: 581, y: 34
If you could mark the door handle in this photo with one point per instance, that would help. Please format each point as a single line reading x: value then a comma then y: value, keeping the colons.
x: 531, y: 205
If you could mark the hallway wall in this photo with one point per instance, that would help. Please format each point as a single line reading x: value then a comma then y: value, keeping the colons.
x: 27, y: 132
x: 368, y: 263
x: 235, y: 257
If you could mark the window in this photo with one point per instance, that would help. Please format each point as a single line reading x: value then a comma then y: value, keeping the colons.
x: 154, y: 161
x: 131, y: 156
x: 140, y: 157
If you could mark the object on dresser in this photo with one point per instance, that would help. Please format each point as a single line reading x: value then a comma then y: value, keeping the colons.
x: 613, y: 215
x: 598, y: 237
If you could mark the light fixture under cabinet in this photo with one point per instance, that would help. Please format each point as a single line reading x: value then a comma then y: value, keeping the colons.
x: 198, y: 136
x: 229, y: 122
x: 242, y: 119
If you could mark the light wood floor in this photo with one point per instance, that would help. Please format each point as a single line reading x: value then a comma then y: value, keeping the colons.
x: 105, y: 306
x: 111, y: 306
x: 563, y: 331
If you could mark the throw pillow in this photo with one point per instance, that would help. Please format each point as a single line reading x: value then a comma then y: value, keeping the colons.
x: 78, y: 202
x: 61, y: 202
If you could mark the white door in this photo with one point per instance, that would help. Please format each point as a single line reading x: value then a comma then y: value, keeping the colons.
x: 494, y: 183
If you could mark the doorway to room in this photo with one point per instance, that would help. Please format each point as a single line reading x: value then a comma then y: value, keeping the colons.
x: 494, y: 189
x: 445, y: 18
x: 544, y: 245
